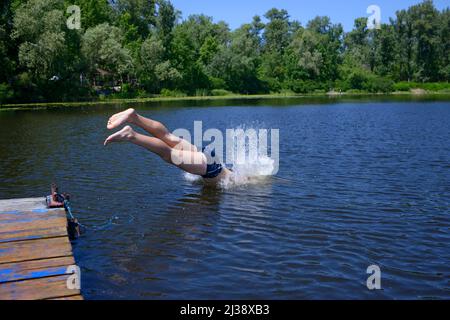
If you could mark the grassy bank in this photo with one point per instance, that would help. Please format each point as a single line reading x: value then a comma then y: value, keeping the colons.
x: 36, y: 106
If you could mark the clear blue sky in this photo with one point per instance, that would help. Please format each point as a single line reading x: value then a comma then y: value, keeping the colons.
x: 237, y: 12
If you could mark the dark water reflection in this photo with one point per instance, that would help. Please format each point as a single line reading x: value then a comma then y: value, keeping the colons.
x: 359, y: 184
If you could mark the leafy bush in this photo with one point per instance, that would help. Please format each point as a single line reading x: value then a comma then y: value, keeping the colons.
x: 378, y: 84
x: 217, y: 83
x: 141, y: 93
x: 430, y: 86
x: 287, y: 92
x: 6, y: 93
x: 304, y: 86
x: 357, y: 80
x: 435, y: 86
x: 172, y: 93
x: 201, y: 92
x: 402, y: 86
x: 341, y: 85
x: 364, y: 81
x: 354, y: 91
x: 220, y: 92
x: 127, y: 91
x: 272, y: 85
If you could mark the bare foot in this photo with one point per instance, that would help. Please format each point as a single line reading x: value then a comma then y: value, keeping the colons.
x: 120, y: 118
x: 123, y: 135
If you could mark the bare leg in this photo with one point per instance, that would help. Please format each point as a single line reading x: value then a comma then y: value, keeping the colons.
x: 189, y: 161
x: 155, y: 128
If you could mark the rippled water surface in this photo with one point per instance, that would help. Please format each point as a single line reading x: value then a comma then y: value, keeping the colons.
x: 360, y: 183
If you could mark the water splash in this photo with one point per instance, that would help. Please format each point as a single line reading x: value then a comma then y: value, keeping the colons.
x: 255, y: 167
x: 253, y: 171
x: 192, y: 178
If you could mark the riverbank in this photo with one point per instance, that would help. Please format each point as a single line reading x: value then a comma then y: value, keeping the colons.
x: 331, y: 95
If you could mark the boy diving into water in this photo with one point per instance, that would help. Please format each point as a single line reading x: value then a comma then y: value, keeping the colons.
x: 169, y: 147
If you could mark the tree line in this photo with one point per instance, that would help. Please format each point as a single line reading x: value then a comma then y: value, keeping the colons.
x: 140, y: 48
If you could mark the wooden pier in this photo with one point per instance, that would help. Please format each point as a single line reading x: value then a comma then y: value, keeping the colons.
x: 35, y: 252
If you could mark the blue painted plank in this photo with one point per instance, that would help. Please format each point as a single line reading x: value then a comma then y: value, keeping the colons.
x: 10, y: 274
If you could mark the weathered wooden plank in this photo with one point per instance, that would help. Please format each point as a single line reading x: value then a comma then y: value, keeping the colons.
x: 20, y: 235
x: 77, y: 297
x: 35, y: 249
x: 29, y: 216
x: 38, y: 221
x: 34, y: 289
x: 34, y: 269
x: 52, y: 220
x: 26, y: 204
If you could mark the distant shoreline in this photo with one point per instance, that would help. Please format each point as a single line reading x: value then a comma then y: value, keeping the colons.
x: 47, y: 105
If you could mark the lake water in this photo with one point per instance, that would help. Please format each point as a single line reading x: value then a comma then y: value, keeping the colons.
x: 360, y: 183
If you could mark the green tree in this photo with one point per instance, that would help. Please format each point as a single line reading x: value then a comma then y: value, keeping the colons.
x: 142, y: 14
x: 48, y: 61
x: 276, y: 31
x: 189, y: 37
x: 403, y: 26
x: 102, y: 48
x: 276, y: 38
x: 305, y: 59
x: 425, y: 23
x: 356, y: 45
x: 6, y: 65
x: 235, y: 65
x: 155, y: 71
x: 444, y: 45
x: 165, y: 22
x: 418, y: 36
x: 385, y: 51
x: 39, y: 26
x: 93, y: 12
x: 330, y: 46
